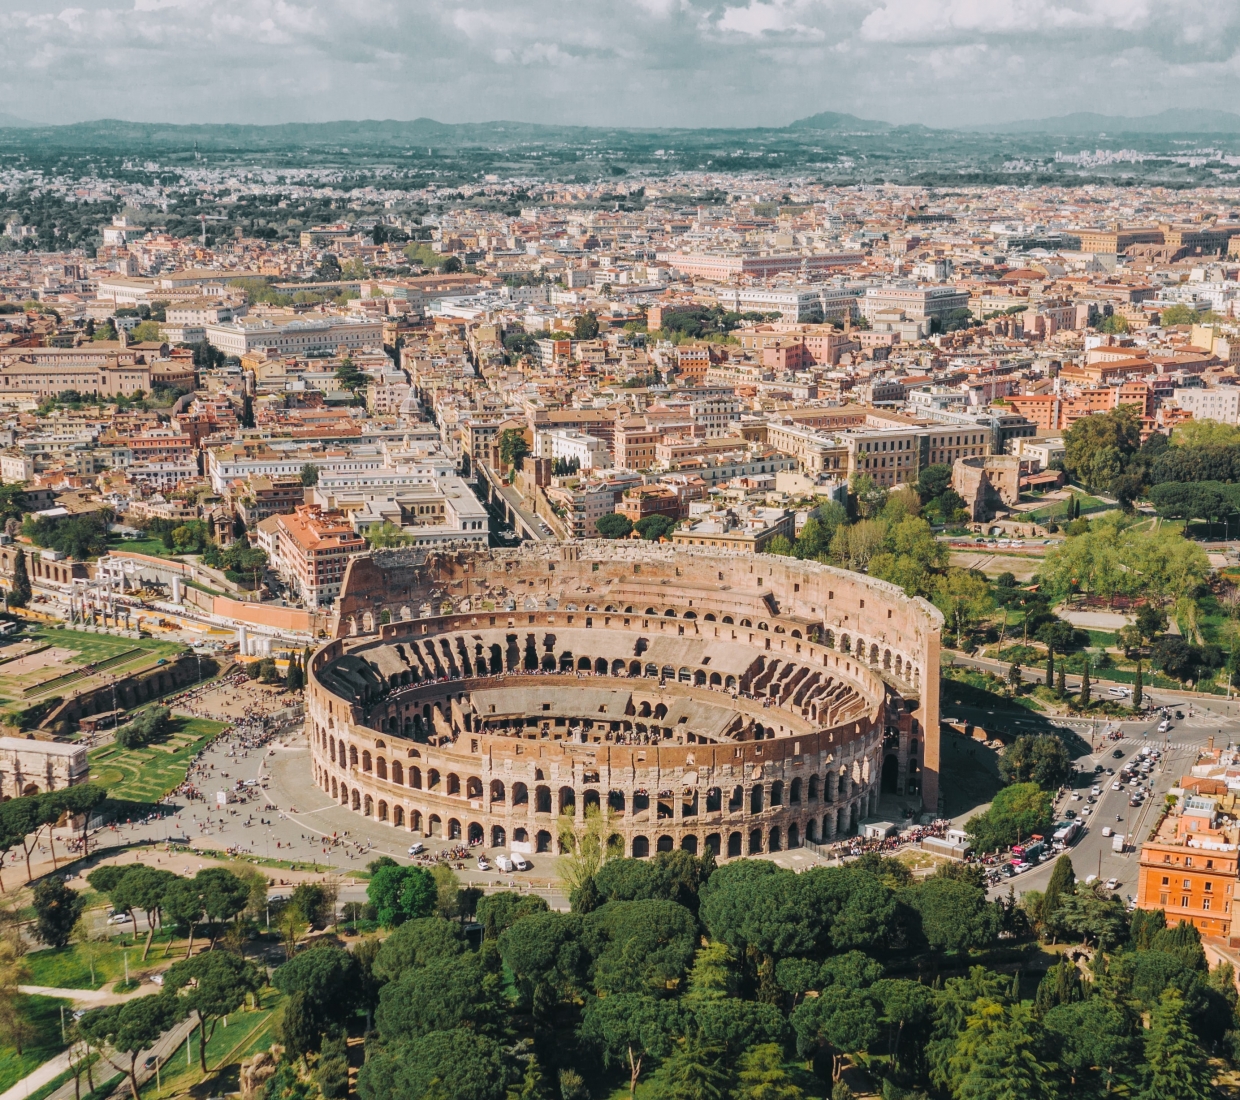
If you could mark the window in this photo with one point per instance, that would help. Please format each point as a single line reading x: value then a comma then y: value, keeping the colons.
x: 1184, y: 902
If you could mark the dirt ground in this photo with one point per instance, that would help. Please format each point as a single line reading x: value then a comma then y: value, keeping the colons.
x: 1022, y: 567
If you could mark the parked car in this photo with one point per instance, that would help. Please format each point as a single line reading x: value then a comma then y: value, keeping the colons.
x: 483, y: 864
x: 417, y: 848
x: 1118, y: 754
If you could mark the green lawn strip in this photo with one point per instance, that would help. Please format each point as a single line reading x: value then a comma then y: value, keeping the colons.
x: 277, y: 864
x: 52, y: 1085
x: 1102, y: 639
x: 154, y: 548
x: 247, y: 1031
x: 118, y: 661
x: 68, y: 968
x: 147, y: 774
x: 95, y: 647
x: 203, y: 588
x: 44, y: 1014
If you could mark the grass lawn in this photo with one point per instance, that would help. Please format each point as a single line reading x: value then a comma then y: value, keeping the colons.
x: 247, y: 1033
x: 146, y: 775
x: 154, y: 547
x: 44, y: 1014
x: 68, y: 967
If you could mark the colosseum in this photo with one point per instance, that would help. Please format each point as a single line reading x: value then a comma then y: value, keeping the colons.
x: 700, y: 700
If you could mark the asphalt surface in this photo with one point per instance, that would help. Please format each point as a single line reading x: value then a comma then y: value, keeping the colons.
x: 1180, y: 746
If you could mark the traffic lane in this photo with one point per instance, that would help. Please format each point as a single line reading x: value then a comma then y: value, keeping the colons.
x: 1092, y: 854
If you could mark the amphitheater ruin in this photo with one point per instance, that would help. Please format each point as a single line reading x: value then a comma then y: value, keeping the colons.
x: 697, y: 699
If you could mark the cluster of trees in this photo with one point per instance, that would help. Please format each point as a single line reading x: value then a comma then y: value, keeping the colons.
x: 669, y: 971
x: 513, y: 448
x: 242, y: 563
x: 295, y: 680
x: 1109, y: 557
x: 651, y: 528
x: 23, y: 819
x: 146, y: 726
x: 1017, y: 812
x: 705, y: 322
x: 82, y: 536
x: 694, y: 981
x: 565, y: 467
x: 886, y: 535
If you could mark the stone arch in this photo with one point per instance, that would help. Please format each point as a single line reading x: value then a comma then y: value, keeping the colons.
x: 499, y: 838
x: 542, y: 841
x: 398, y: 773
x: 641, y: 847
x: 735, y: 845
x: 473, y: 787
x: 454, y: 829
x: 567, y: 799
x: 497, y: 790
x: 665, y: 843
x: 383, y: 810
x: 357, y: 799
x: 476, y: 834
x: 398, y: 816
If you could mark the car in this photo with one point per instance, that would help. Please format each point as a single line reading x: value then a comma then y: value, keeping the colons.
x: 519, y: 862
x: 1164, y: 726
x: 157, y: 979
x: 1134, y: 802
x: 1179, y: 715
x: 1069, y: 814
x: 1112, y: 883
x: 150, y: 1062
x: 277, y: 899
x: 1117, y: 786
x: 119, y: 918
x: 417, y: 848
x: 1118, y: 754
x: 1091, y: 799
x: 1110, y: 771
x: 78, y: 1013
x: 1007, y: 870
x: 1107, y: 830
x: 1095, y: 789
x: 1119, y: 693
x: 1075, y: 797
x: 483, y: 864
x: 503, y: 863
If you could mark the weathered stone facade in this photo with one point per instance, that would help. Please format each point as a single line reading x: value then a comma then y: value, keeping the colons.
x: 987, y: 482
x: 35, y: 767
x: 706, y: 700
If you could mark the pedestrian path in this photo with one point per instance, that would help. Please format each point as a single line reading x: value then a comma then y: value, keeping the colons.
x: 32, y: 1082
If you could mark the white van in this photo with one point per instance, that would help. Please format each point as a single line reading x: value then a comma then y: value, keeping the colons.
x: 1119, y: 693
x: 504, y: 864
x: 519, y: 862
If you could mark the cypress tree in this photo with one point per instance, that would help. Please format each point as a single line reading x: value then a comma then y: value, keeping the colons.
x: 1176, y: 1068
x: 1050, y: 666
x: 20, y: 596
x: 1137, y: 687
x: 1085, y: 685
x: 1062, y: 881
x: 1061, y: 683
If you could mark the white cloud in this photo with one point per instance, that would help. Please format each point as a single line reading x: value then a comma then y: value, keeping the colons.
x: 640, y: 62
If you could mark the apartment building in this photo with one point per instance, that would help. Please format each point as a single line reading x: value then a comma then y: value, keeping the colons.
x: 589, y: 452
x: 1189, y: 869
x: 917, y: 303
x: 635, y: 443
x: 303, y: 334
x: 445, y: 512
x: 746, y: 530
x: 312, y: 551
x: 724, y: 267
x: 1221, y: 403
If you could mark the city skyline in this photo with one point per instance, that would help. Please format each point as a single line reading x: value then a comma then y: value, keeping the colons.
x: 940, y: 63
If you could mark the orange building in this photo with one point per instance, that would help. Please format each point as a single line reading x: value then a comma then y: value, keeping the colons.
x: 1189, y: 869
x: 313, y: 548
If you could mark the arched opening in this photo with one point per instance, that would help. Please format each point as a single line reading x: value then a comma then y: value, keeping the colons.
x: 542, y: 841
x: 542, y: 800
x: 476, y: 834
x: 774, y: 841
x: 498, y: 837
x: 891, y: 774
x: 398, y: 816
x: 435, y: 824
x: 454, y: 829
x: 497, y: 791
x: 383, y: 810
x: 734, y: 845
x: 794, y: 836
x: 755, y: 842
x: 520, y: 794
x: 689, y: 844
x: 641, y: 847
x: 568, y: 800
x: 665, y: 843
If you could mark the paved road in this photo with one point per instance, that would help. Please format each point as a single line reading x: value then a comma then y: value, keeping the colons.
x: 1092, y: 854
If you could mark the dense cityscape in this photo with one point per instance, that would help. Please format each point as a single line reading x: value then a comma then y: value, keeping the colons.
x: 501, y: 612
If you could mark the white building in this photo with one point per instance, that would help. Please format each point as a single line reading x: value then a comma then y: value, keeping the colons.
x: 1221, y: 403
x: 302, y: 336
x: 590, y: 452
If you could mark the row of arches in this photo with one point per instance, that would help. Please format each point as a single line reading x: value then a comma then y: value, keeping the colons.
x: 672, y: 803
x: 759, y: 840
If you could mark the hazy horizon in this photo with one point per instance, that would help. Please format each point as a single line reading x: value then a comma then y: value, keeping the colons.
x: 647, y: 63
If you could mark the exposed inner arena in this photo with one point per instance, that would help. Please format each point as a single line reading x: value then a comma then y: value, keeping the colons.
x: 703, y: 700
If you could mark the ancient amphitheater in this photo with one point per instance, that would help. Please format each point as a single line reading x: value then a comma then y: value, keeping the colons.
x: 701, y: 700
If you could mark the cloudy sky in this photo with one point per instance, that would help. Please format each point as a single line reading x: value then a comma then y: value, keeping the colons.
x: 617, y: 62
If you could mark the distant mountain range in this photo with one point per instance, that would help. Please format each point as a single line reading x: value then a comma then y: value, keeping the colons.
x: 1176, y: 120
